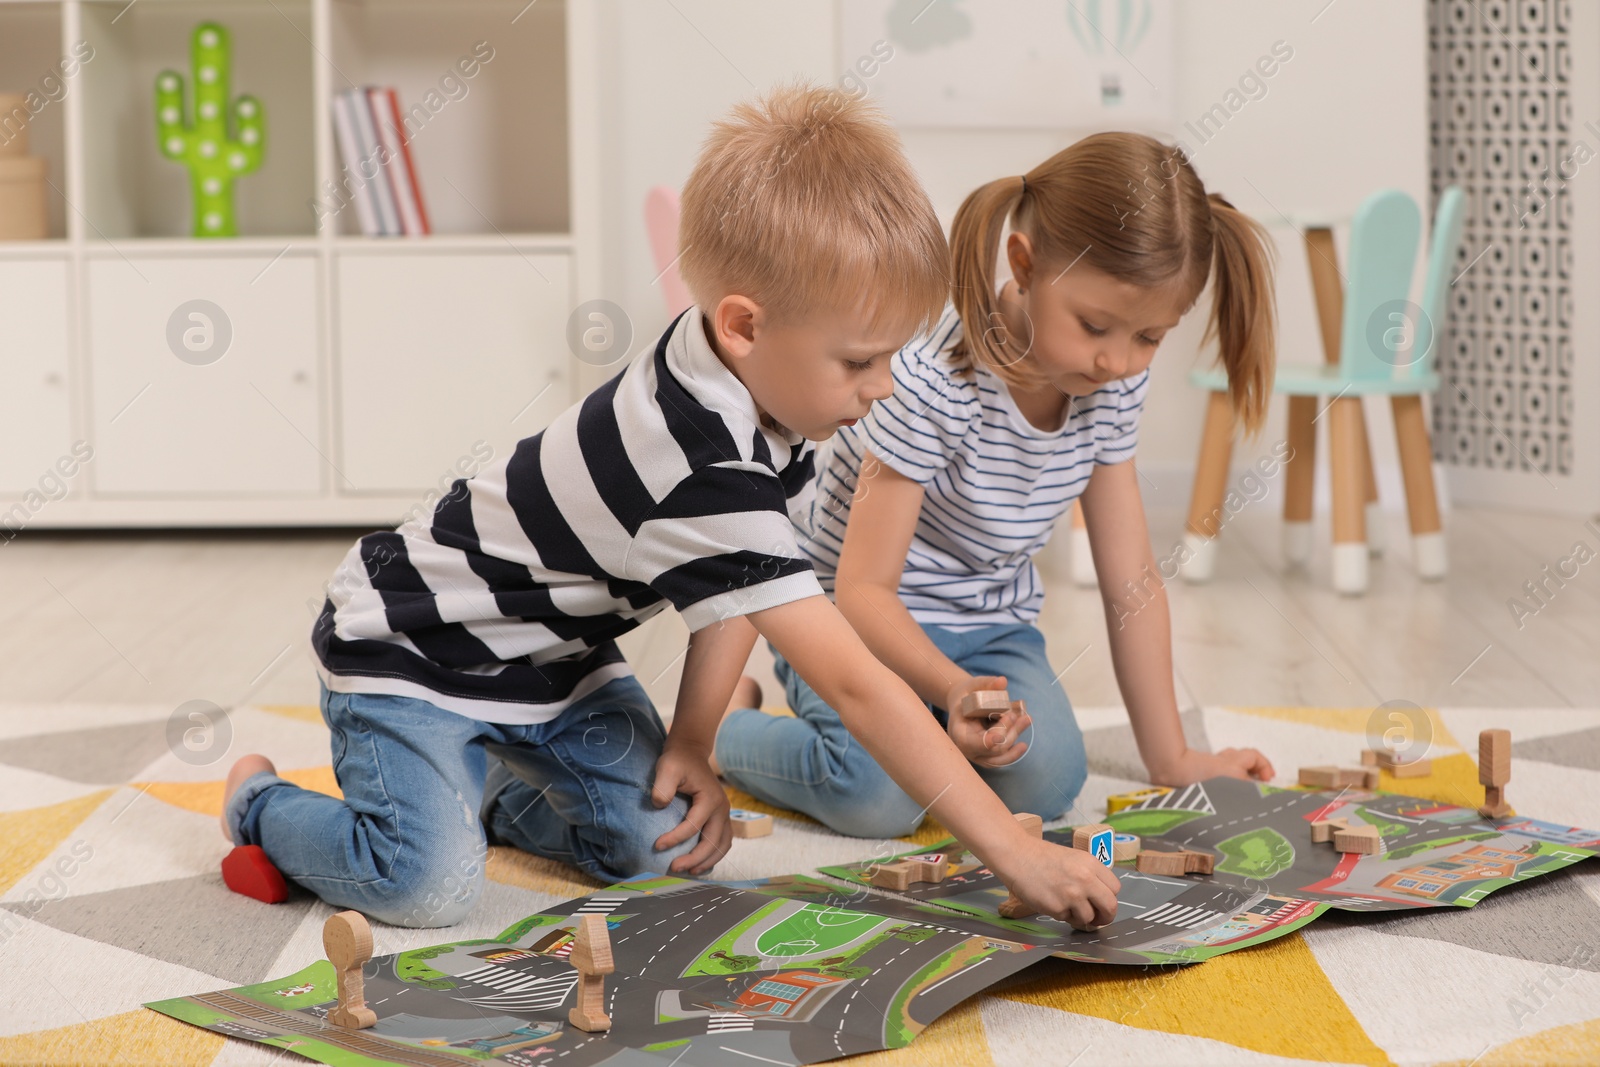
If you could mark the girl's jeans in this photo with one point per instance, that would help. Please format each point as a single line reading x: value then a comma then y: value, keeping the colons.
x: 810, y: 763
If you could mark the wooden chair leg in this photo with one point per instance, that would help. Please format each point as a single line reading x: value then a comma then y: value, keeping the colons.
x: 1422, y: 501
x: 1370, y: 479
x: 1082, y: 562
x: 1349, y: 496
x: 1210, y: 484
x: 1299, y: 476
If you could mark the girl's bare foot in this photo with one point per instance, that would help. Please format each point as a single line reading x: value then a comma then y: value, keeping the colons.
x: 746, y: 694
x: 243, y: 768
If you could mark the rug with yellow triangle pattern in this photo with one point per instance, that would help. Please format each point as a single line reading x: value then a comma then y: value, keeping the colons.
x: 110, y: 897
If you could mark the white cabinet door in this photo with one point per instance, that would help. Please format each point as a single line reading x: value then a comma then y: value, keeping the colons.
x: 204, y: 375
x: 35, y: 427
x: 440, y: 351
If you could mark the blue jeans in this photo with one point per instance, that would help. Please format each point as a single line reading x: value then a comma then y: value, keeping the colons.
x: 407, y: 843
x: 810, y: 763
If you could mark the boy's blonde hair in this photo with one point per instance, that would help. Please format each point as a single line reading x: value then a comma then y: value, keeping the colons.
x: 804, y: 200
x: 1133, y: 208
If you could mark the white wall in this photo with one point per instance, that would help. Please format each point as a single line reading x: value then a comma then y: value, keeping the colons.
x: 1346, y: 115
x: 672, y: 69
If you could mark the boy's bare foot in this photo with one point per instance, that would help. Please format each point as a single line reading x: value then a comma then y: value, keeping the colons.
x: 746, y: 694
x: 243, y: 768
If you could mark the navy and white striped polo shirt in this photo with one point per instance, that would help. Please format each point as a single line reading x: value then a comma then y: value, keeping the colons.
x: 662, y: 486
x: 994, y: 484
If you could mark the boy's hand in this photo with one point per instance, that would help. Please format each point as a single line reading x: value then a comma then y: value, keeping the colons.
x: 1064, y: 883
x: 1196, y: 766
x: 684, y: 768
x: 988, y: 739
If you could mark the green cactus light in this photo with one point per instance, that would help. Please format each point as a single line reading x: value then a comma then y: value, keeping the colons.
x: 200, y: 142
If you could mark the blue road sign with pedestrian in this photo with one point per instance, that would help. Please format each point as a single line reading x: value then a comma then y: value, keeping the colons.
x: 1100, y: 847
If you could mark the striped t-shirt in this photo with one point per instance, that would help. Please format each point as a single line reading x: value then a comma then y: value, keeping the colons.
x: 994, y: 484
x: 662, y: 486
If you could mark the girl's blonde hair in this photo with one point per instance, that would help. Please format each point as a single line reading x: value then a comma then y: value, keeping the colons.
x: 1133, y: 208
x: 804, y: 200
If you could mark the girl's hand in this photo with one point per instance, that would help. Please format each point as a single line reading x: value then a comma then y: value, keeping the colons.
x: 684, y: 768
x: 1196, y: 766
x: 988, y: 739
x: 1064, y: 883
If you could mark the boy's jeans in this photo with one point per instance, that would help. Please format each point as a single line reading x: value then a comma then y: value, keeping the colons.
x: 810, y: 763
x: 406, y: 845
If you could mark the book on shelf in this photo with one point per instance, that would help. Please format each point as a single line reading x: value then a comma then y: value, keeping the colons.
x: 352, y: 151
x: 402, y: 170
x: 379, y: 170
x: 373, y: 160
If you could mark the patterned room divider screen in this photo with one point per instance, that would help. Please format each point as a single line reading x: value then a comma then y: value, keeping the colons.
x: 1517, y: 358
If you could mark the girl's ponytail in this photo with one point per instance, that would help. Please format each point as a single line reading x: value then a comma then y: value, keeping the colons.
x: 974, y: 249
x: 1242, y: 310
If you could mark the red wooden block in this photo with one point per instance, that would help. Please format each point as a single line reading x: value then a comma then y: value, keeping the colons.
x: 247, y: 870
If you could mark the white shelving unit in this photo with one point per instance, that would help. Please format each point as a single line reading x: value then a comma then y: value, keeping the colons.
x: 360, y: 373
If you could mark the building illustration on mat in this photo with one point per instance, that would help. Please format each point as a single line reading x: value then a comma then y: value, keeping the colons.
x: 1447, y: 879
x: 794, y: 996
x: 522, y: 1037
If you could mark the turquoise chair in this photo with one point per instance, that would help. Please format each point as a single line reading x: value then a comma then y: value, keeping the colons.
x: 1385, y: 346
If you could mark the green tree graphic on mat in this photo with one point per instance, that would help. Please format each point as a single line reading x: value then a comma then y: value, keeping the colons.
x: 1151, y: 822
x: 1257, y: 854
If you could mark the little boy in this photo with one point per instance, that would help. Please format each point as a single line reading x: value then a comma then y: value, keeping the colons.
x: 469, y: 672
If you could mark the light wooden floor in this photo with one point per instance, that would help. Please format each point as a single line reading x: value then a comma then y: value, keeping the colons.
x: 160, y: 619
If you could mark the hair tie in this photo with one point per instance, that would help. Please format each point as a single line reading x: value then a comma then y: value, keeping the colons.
x: 1024, y: 186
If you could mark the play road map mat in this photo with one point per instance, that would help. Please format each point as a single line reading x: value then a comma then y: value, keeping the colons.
x: 797, y: 970
x: 705, y: 974
x: 1270, y: 878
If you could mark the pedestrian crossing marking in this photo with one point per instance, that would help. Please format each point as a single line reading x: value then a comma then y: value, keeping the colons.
x: 1188, y: 917
x: 600, y: 905
x: 1192, y: 798
x: 520, y: 991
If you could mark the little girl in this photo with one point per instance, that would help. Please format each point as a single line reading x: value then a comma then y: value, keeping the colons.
x: 1024, y: 398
